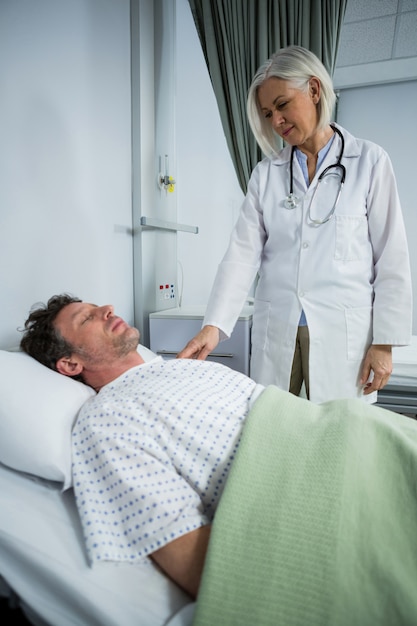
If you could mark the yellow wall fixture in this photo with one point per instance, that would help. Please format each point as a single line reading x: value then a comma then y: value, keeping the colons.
x: 165, y: 181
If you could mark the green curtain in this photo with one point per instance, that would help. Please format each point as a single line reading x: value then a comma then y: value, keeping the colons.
x: 238, y: 35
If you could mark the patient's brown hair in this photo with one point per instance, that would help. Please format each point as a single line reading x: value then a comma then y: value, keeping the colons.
x: 41, y: 340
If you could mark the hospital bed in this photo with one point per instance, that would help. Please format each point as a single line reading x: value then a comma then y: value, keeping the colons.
x: 400, y: 394
x: 43, y: 565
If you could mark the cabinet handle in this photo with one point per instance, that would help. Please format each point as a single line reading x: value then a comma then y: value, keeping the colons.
x: 224, y: 355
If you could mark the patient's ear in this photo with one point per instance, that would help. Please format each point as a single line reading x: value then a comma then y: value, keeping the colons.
x: 69, y: 366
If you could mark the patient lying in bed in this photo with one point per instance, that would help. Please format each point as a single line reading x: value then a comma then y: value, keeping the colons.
x: 153, y: 450
x: 158, y: 439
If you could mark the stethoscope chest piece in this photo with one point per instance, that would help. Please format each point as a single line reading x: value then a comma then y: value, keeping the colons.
x: 291, y: 201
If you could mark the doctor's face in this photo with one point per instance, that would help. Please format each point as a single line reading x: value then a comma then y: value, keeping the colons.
x: 95, y: 332
x: 292, y: 113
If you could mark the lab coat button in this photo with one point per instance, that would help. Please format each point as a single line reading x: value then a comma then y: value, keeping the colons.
x: 305, y: 244
x: 301, y: 294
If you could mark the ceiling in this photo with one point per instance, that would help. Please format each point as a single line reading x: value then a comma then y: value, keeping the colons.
x: 378, y: 42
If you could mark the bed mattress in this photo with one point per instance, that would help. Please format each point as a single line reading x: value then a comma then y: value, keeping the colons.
x: 42, y: 559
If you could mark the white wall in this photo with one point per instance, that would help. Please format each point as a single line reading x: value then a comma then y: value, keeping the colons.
x: 175, y: 114
x: 66, y: 179
x: 386, y: 114
x: 65, y: 155
x: 208, y: 193
x: 153, y: 126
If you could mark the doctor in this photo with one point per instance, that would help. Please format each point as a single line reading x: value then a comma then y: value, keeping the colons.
x: 322, y: 230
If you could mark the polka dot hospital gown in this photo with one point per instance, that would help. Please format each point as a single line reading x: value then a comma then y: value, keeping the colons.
x: 151, y: 453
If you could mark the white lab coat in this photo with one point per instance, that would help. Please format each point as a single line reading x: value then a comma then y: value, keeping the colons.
x: 351, y: 276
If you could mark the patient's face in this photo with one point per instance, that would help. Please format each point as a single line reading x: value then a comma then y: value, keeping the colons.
x: 96, y: 332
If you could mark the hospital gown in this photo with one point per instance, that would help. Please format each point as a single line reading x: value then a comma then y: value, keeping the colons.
x: 151, y: 453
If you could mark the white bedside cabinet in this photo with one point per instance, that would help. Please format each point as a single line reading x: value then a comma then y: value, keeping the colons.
x: 172, y: 329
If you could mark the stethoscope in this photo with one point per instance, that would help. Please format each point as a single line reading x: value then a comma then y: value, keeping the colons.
x: 292, y: 201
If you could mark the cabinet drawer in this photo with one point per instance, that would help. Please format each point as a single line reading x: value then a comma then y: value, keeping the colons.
x: 169, y: 336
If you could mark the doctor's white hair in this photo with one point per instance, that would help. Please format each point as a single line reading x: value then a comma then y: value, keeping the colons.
x: 297, y: 65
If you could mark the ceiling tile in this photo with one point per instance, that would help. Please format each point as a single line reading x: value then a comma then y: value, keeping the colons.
x: 358, y: 10
x: 408, y: 5
x: 366, y: 42
x: 406, y: 38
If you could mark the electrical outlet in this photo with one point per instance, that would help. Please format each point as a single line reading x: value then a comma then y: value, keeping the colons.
x: 165, y: 294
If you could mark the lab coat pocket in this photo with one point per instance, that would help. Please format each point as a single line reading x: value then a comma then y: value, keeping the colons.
x: 358, y: 331
x: 352, y: 240
x: 260, y: 323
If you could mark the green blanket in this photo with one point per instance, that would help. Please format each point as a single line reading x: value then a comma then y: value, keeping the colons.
x: 318, y: 521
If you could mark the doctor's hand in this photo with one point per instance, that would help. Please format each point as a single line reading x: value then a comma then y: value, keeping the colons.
x: 202, y: 344
x: 378, y: 360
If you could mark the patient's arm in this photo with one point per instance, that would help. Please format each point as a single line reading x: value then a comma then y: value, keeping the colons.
x: 183, y: 559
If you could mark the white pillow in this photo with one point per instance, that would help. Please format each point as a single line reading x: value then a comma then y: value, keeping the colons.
x: 38, y: 408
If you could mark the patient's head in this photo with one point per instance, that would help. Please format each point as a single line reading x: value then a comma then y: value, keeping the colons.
x: 81, y: 340
x: 41, y: 339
